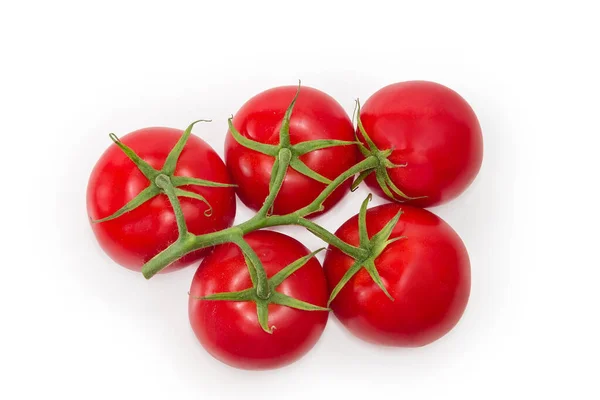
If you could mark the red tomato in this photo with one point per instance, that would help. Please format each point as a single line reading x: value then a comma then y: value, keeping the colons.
x: 230, y: 331
x: 427, y: 274
x: 433, y: 130
x: 135, y: 237
x: 316, y: 115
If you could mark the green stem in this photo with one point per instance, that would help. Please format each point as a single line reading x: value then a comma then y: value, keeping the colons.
x: 190, y: 242
x: 185, y: 245
x: 284, y: 157
x: 164, y: 183
x: 366, y: 164
x: 262, y: 282
x: 333, y: 240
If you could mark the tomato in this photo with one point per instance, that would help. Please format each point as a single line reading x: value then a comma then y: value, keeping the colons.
x: 316, y: 115
x: 433, y: 130
x: 136, y: 236
x: 427, y: 274
x: 230, y: 331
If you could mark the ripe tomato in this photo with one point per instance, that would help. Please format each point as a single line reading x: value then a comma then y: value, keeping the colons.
x: 136, y: 236
x: 230, y: 331
x: 430, y: 128
x: 427, y: 274
x: 316, y: 115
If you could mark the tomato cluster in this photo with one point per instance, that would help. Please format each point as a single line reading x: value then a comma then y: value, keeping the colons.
x: 395, y: 275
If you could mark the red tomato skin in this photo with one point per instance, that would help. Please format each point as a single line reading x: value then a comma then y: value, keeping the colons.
x: 316, y: 115
x: 135, y: 237
x: 427, y: 274
x: 230, y: 332
x: 432, y: 129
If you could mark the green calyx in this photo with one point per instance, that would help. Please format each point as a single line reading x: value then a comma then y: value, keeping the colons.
x: 263, y: 291
x: 373, y: 247
x: 381, y: 170
x: 163, y: 180
x: 296, y: 151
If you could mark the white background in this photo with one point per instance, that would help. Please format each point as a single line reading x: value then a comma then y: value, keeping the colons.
x: 75, y: 325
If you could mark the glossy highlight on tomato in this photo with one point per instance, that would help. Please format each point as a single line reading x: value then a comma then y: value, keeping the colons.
x: 427, y: 273
x: 138, y: 235
x: 434, y: 131
x: 316, y: 115
x: 230, y: 331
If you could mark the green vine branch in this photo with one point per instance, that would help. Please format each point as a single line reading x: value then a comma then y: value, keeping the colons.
x: 260, y: 221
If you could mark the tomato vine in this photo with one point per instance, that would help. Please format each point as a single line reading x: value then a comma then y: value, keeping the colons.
x: 286, y: 156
